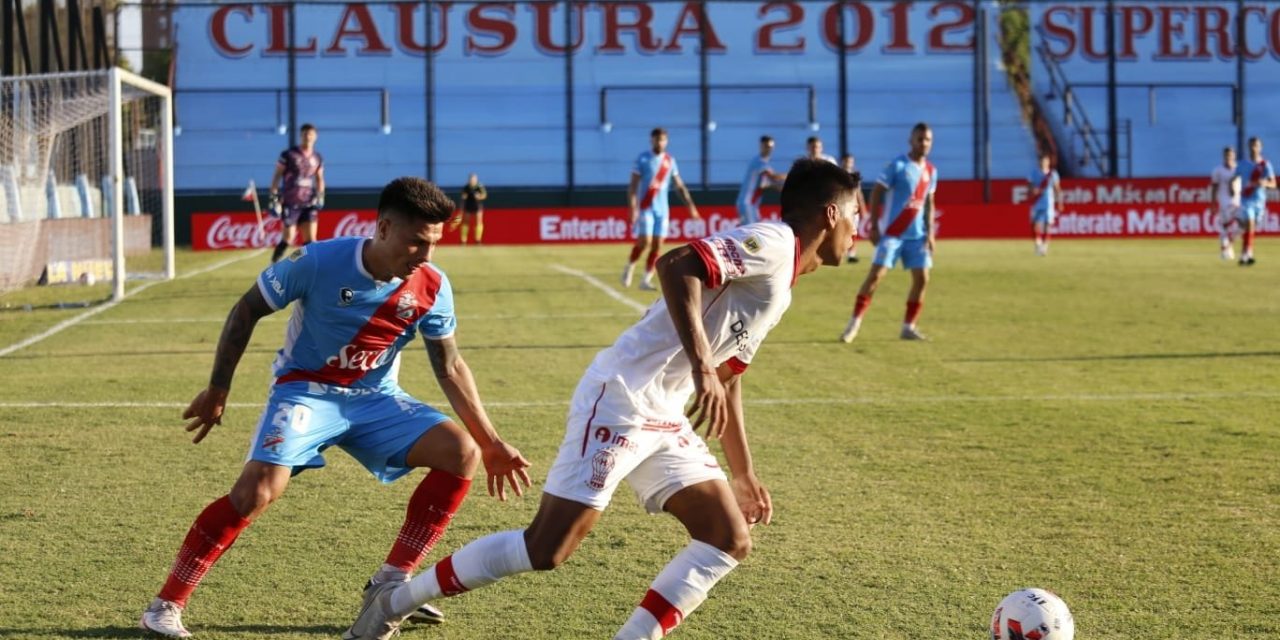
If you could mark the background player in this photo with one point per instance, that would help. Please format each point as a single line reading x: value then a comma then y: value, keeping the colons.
x: 721, y: 296
x: 813, y: 150
x: 905, y: 232
x: 1226, y: 189
x: 1046, y: 193
x: 359, y: 302
x: 301, y: 168
x: 850, y: 164
x: 656, y: 169
x: 1256, y: 176
x: 473, y: 197
x: 760, y: 176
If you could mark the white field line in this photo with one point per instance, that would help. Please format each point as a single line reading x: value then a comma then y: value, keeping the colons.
x: 479, y: 316
x: 74, y: 320
x: 595, y: 282
x: 1084, y: 397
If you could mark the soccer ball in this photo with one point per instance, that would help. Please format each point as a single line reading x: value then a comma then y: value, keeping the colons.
x: 1032, y: 614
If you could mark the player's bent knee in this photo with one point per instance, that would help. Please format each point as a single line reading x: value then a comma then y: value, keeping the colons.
x: 546, y: 557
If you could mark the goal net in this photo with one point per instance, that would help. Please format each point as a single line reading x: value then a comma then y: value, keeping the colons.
x: 86, y: 179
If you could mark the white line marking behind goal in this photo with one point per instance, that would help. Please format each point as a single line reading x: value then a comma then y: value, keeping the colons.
x: 73, y: 321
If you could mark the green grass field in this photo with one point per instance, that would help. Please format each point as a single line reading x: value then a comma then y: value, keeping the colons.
x: 1101, y: 423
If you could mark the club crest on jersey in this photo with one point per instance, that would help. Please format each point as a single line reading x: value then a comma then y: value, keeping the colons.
x: 406, y: 306
x: 345, y: 296
x: 751, y: 244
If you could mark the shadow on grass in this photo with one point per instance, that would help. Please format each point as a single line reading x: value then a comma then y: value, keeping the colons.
x: 133, y: 632
x: 1133, y: 356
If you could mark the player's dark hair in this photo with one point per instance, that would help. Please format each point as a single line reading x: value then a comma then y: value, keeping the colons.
x: 415, y: 199
x: 920, y: 126
x: 308, y: 127
x: 657, y: 131
x: 1254, y: 140
x: 812, y: 139
x: 812, y: 185
x: 764, y: 139
x: 1227, y: 149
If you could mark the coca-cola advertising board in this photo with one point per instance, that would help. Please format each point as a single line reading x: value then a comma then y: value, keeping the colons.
x: 1139, y: 207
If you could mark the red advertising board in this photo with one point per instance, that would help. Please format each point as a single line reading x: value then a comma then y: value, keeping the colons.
x: 1139, y: 207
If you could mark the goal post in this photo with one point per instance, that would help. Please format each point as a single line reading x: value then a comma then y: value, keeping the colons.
x: 86, y: 179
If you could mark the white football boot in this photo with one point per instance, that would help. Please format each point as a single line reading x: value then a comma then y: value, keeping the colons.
x: 164, y: 618
x: 909, y: 332
x: 376, y: 620
x: 851, y: 330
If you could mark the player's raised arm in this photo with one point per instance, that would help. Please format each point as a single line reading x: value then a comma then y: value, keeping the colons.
x: 753, y: 499
x: 501, y: 460
x: 682, y: 273
x: 206, y: 409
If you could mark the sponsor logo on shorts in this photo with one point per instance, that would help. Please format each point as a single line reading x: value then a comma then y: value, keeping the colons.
x: 273, y: 440
x: 601, y: 464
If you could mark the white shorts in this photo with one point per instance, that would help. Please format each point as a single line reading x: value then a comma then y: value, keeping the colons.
x: 607, y: 440
x: 1227, y: 213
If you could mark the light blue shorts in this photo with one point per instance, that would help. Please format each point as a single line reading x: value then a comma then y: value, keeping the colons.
x: 1045, y: 216
x: 914, y: 254
x: 1252, y: 212
x: 377, y: 427
x: 748, y: 213
x: 650, y: 223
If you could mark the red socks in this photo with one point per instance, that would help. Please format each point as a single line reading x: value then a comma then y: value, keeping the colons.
x: 913, y: 312
x: 860, y: 305
x: 213, y: 532
x: 430, y: 509
x: 635, y: 253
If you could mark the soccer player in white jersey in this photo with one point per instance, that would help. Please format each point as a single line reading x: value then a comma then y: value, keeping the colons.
x: 1046, y: 193
x: 358, y: 303
x: 627, y: 420
x: 905, y: 232
x: 1226, y: 192
x: 656, y: 170
x: 760, y: 176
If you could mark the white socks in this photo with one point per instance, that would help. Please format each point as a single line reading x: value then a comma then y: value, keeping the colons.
x: 479, y: 563
x: 677, y: 591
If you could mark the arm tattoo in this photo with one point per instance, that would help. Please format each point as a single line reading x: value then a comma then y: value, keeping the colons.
x: 443, y: 355
x: 235, y: 336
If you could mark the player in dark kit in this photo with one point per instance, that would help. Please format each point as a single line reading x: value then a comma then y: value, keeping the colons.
x: 301, y: 169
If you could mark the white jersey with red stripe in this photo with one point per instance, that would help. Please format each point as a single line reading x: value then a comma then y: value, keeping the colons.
x: 750, y: 271
x: 655, y: 171
x: 347, y: 327
x: 1222, y: 177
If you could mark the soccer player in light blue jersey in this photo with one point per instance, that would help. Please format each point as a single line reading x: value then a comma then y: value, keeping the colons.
x: 760, y: 177
x: 358, y: 302
x: 905, y: 232
x: 1046, y: 193
x: 651, y: 178
x: 1256, y: 176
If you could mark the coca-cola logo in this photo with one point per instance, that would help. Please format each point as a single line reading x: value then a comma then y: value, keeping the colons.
x: 226, y: 233
x: 352, y: 225
x: 352, y: 358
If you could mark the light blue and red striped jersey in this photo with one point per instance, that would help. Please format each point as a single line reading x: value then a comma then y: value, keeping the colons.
x: 1251, y: 173
x: 753, y: 185
x: 1045, y: 183
x: 655, y: 170
x: 347, y: 327
x: 909, y: 183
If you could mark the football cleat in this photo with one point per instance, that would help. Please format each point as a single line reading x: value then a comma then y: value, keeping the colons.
x: 911, y: 333
x: 425, y: 614
x: 1228, y: 254
x: 850, y: 330
x: 164, y: 618
x: 647, y: 285
x: 376, y: 621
